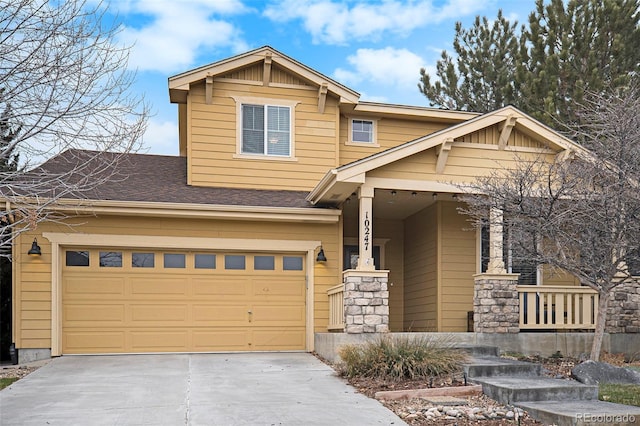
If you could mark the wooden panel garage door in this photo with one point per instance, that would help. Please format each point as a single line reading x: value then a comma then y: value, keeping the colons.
x: 130, y: 301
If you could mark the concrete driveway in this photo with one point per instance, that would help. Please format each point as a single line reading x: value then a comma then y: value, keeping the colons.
x: 197, y: 389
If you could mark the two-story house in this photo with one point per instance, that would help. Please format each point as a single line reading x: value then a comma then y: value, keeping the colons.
x: 288, y: 192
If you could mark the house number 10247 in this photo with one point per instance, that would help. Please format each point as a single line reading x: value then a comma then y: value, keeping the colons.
x: 367, y: 231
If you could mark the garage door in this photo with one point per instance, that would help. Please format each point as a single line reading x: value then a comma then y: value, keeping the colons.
x: 129, y: 301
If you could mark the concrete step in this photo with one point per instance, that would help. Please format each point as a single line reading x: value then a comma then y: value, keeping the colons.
x: 491, y: 366
x: 510, y: 390
x: 479, y: 350
x: 581, y: 413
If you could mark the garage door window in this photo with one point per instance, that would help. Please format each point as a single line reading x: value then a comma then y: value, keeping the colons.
x: 205, y: 261
x: 111, y: 259
x: 234, y: 262
x: 264, y: 263
x: 77, y: 258
x: 174, y: 260
x: 142, y: 260
x: 292, y: 263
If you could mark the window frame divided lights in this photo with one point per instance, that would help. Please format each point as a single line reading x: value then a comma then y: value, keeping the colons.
x: 273, y: 126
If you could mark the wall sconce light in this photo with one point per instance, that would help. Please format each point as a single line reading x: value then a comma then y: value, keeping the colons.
x: 35, y: 249
x: 393, y: 192
x: 321, y: 257
x: 414, y: 193
x: 454, y: 197
x: 435, y: 196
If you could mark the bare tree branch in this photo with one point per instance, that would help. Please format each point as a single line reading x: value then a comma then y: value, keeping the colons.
x: 64, y: 86
x: 583, y: 211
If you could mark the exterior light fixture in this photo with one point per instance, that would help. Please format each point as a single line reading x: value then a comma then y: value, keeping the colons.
x: 435, y: 196
x: 393, y: 192
x: 454, y: 196
x: 414, y: 193
x: 321, y: 258
x: 35, y: 249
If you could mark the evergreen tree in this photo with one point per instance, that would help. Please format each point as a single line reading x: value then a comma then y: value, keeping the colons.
x: 585, y: 46
x: 566, y: 50
x: 481, y: 79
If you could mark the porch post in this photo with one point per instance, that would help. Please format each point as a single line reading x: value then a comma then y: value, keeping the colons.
x: 365, y: 236
x: 496, y: 238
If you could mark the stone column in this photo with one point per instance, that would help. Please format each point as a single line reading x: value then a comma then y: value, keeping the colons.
x: 366, y: 301
x: 623, y: 311
x: 496, y: 307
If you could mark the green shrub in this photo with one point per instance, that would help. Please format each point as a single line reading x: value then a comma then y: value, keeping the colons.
x: 394, y: 358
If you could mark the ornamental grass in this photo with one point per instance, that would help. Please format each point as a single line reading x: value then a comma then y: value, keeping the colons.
x: 401, y: 357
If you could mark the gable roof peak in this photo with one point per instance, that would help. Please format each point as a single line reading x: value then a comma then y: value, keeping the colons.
x: 179, y: 84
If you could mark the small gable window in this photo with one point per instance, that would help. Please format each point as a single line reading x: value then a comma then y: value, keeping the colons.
x: 266, y: 130
x: 362, y: 131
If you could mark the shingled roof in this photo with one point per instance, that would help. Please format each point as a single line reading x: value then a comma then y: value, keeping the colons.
x: 163, y: 179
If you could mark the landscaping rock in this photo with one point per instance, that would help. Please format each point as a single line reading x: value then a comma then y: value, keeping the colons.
x: 594, y: 373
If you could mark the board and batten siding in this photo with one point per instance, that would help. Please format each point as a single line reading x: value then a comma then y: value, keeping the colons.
x: 457, y: 265
x: 212, y: 147
x: 420, y: 271
x: 32, y: 280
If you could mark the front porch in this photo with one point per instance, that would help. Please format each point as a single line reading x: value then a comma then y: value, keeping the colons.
x: 544, y: 308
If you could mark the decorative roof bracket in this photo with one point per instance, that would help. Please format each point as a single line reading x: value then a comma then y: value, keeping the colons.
x: 208, y: 90
x: 442, y: 152
x: 505, y: 131
x: 322, y: 96
x: 266, y: 75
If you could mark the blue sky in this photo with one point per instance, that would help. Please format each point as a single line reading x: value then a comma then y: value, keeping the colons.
x: 374, y: 47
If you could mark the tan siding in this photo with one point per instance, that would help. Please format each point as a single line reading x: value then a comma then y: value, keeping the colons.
x: 213, y: 135
x: 393, y: 231
x: 463, y: 164
x: 420, y: 274
x: 491, y: 136
x: 33, y: 274
x: 558, y: 278
x: 251, y: 73
x: 457, y: 267
x: 391, y: 132
x: 32, y: 290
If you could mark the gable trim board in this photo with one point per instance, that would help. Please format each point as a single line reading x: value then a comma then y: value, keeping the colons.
x: 60, y: 240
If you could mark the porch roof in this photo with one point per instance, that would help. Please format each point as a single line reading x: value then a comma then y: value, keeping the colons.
x: 339, y: 183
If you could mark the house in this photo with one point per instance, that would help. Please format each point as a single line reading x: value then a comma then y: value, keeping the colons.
x: 294, y: 208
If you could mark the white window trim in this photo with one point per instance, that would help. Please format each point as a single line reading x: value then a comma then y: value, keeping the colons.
x: 372, y: 144
x: 241, y: 100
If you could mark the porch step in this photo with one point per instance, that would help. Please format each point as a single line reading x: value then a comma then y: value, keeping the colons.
x: 479, y: 350
x: 582, y: 413
x: 491, y: 366
x: 511, y: 390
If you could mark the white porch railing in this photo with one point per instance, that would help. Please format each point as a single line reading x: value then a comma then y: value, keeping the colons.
x: 557, y: 307
x: 336, y: 308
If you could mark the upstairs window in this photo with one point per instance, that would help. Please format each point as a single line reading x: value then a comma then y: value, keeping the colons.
x: 266, y: 130
x: 362, y: 131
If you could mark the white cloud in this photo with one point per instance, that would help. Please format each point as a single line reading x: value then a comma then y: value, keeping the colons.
x: 161, y: 137
x: 388, y: 67
x: 167, y: 35
x: 338, y: 23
